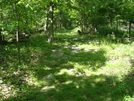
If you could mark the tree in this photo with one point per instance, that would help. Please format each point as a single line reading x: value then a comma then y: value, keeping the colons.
x: 128, y: 13
x: 50, y: 21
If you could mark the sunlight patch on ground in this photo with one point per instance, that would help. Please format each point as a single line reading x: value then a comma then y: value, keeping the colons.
x: 72, y: 64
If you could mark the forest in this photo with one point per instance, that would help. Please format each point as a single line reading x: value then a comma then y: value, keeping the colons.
x: 67, y: 50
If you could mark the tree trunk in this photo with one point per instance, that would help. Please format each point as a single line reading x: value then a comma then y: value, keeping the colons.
x: 46, y: 26
x: 51, y: 31
x: 0, y: 35
x: 1, y: 18
x: 82, y: 22
x: 60, y: 22
x: 129, y: 28
x: 111, y: 22
x: 17, y: 17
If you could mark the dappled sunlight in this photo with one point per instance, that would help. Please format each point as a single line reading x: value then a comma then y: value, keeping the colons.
x: 82, y: 87
x: 73, y: 70
x: 66, y: 50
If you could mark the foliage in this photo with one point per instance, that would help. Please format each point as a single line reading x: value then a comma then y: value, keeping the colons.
x: 96, y: 65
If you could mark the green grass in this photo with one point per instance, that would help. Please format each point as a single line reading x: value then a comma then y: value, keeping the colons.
x: 72, y: 68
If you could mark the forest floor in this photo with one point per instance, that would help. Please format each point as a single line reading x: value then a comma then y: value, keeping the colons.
x: 72, y: 68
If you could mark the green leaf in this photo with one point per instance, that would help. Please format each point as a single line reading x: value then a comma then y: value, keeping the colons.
x: 1, y: 1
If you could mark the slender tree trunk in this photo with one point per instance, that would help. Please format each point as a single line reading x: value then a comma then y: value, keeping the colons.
x: 111, y: 22
x: 129, y: 28
x: 18, y: 46
x: 17, y: 39
x: 17, y: 16
x: 51, y: 31
x: 46, y: 26
x: 117, y: 23
x: 1, y: 19
x: 82, y: 23
x: 0, y: 35
x: 60, y: 22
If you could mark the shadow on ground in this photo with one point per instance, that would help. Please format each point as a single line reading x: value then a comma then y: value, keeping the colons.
x: 65, y: 86
x: 82, y: 88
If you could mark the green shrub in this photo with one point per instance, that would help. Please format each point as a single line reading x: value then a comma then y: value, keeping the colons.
x: 105, y: 30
